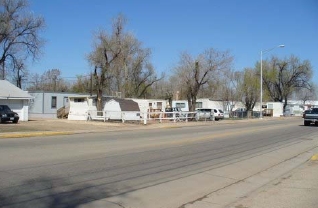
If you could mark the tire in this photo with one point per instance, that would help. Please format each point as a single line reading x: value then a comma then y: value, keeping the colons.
x: 15, y: 121
x: 216, y: 119
x: 306, y: 123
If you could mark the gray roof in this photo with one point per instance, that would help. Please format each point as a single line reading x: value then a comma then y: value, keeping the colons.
x: 125, y: 105
x: 9, y: 91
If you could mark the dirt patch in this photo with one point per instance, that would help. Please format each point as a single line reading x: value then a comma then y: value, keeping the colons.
x: 61, y: 125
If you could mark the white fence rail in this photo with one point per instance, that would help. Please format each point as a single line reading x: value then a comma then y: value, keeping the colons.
x: 142, y: 117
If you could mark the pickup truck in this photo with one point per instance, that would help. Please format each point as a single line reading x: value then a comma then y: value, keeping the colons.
x: 311, y: 117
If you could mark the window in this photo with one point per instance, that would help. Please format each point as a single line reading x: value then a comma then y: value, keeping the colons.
x: 180, y: 105
x: 159, y: 105
x: 78, y: 100
x: 198, y: 105
x: 53, y: 102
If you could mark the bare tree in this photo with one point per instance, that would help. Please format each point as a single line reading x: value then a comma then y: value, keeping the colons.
x: 306, y: 94
x: 50, y: 80
x: 197, y: 72
x: 229, y: 89
x: 283, y: 77
x: 19, y: 34
x: 249, y: 88
x: 163, y: 89
x: 121, y: 63
x: 83, y: 84
x: 20, y: 73
x: 106, y: 52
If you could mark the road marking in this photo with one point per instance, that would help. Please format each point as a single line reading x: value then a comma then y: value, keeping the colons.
x: 314, y: 157
x: 213, y: 136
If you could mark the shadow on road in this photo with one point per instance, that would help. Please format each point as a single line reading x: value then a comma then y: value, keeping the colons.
x: 49, y: 193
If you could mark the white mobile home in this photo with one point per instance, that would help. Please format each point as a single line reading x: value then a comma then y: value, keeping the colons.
x: 46, y: 104
x: 148, y: 105
x: 209, y: 103
x: 182, y: 104
x: 15, y: 98
x: 276, y: 107
x: 80, y: 105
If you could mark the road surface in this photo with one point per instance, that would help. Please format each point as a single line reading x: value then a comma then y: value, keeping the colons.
x: 177, y: 167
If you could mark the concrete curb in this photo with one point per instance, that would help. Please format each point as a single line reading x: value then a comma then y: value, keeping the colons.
x: 33, y: 134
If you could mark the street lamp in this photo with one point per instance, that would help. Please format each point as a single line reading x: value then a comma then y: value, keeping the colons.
x: 261, y: 98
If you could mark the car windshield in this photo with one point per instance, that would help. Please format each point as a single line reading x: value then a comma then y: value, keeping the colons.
x: 220, y: 111
x: 204, y: 110
x: 4, y: 108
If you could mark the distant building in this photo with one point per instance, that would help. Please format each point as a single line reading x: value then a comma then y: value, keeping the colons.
x: 45, y: 104
x: 15, y: 98
x: 182, y: 104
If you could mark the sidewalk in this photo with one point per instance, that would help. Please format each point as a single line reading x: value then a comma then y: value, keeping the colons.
x: 297, y: 189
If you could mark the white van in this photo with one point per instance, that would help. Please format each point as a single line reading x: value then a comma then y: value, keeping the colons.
x: 218, y: 114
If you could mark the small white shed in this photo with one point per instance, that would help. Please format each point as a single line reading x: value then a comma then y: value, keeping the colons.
x: 121, y: 109
x: 15, y: 98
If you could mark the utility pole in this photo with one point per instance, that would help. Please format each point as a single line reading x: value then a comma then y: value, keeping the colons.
x: 54, y: 82
x: 91, y: 85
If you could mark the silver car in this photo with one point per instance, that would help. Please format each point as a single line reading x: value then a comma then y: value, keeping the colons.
x: 204, y: 113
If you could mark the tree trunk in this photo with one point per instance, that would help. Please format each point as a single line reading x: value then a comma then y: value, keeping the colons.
x: 99, y: 102
x: 192, y: 100
x: 284, y: 106
x: 2, y: 70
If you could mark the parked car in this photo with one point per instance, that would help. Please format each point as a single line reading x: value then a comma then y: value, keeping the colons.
x: 6, y: 114
x: 306, y: 111
x: 311, y: 117
x: 204, y: 113
x: 171, y: 111
x: 218, y: 114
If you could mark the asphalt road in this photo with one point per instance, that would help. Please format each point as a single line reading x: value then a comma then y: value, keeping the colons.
x: 167, y: 167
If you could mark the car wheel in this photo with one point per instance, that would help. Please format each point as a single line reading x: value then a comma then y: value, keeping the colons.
x: 15, y: 121
x: 306, y: 123
x: 216, y: 119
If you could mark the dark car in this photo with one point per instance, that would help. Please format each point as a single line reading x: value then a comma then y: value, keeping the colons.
x: 6, y: 114
x: 306, y: 111
x: 171, y: 111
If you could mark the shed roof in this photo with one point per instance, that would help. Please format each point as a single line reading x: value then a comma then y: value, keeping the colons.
x: 125, y: 105
x: 9, y: 91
